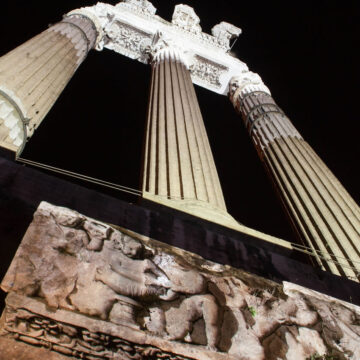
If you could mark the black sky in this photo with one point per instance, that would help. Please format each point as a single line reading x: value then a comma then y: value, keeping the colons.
x: 305, y: 51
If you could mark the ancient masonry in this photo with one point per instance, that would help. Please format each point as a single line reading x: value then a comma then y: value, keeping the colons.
x: 84, y: 289
x: 88, y: 290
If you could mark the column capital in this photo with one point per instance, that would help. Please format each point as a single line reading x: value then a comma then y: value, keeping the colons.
x: 164, y: 47
x: 245, y: 83
x: 83, y: 12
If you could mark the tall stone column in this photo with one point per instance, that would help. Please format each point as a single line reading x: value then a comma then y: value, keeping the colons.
x: 179, y: 169
x: 323, y: 213
x: 33, y: 75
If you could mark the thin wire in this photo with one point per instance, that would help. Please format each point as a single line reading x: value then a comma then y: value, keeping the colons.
x: 233, y: 44
x: 81, y: 177
x: 330, y: 260
x: 321, y: 252
x: 297, y: 247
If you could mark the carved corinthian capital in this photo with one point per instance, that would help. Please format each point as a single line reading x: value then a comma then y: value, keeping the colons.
x: 85, y: 13
x: 164, y: 47
x: 243, y: 84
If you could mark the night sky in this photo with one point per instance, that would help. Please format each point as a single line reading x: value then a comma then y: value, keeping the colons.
x: 305, y: 51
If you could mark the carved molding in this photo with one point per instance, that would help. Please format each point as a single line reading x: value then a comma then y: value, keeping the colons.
x: 130, y: 27
x: 75, y: 341
x: 94, y: 19
x: 207, y: 72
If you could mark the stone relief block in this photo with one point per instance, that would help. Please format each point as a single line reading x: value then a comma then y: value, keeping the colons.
x: 129, y: 27
x: 89, y: 290
x: 128, y: 40
x: 206, y: 72
x: 76, y: 341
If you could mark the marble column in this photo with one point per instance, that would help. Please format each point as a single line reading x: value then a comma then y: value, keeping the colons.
x: 33, y: 75
x: 179, y: 169
x: 323, y: 213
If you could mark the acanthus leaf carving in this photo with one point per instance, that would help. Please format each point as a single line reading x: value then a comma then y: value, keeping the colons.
x: 206, y: 71
x: 243, y: 83
x: 128, y: 40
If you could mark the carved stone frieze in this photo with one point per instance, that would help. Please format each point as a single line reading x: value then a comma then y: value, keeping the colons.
x: 75, y: 341
x: 130, y: 27
x: 90, y: 290
x: 128, y: 40
x: 207, y: 72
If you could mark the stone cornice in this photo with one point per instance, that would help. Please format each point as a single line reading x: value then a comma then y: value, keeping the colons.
x: 129, y: 28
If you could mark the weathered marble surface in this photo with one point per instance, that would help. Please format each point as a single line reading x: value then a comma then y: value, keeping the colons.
x: 88, y: 290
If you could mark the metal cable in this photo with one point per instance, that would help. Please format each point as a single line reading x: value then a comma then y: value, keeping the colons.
x: 81, y: 177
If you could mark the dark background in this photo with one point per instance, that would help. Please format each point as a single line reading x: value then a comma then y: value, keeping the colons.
x: 306, y: 52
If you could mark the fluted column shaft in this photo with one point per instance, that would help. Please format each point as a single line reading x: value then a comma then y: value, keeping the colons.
x: 33, y: 75
x: 179, y: 168
x: 323, y: 213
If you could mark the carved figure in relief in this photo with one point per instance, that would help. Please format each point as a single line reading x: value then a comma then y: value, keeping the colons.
x: 108, y: 273
x: 176, y: 320
x: 340, y: 327
x: 128, y: 275
x: 179, y: 321
x: 187, y: 302
x: 97, y: 234
x: 79, y: 264
x: 120, y: 276
x: 274, y: 311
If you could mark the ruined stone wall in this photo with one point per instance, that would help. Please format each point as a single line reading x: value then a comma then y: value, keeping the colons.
x: 84, y: 289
